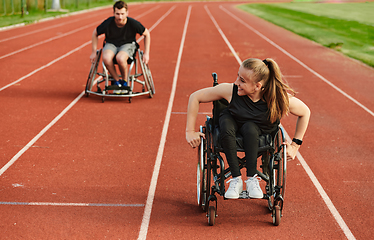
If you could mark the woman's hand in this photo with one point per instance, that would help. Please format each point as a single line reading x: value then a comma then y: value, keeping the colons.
x: 193, y: 138
x: 292, y: 150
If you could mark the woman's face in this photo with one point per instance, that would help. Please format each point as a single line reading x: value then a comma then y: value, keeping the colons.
x: 245, y: 82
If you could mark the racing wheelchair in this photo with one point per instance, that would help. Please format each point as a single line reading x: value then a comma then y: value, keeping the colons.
x: 104, y: 84
x: 211, y: 171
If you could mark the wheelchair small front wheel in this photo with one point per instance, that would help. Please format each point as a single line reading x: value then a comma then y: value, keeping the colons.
x: 211, y: 215
x: 277, y: 215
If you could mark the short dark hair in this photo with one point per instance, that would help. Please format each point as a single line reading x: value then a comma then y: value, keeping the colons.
x: 119, y: 5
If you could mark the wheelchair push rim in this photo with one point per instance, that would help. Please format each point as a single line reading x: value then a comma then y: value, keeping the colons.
x: 277, y: 182
x: 92, y: 73
x: 147, y: 76
x: 202, y: 172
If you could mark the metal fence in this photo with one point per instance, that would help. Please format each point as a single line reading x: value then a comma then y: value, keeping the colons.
x: 14, y: 7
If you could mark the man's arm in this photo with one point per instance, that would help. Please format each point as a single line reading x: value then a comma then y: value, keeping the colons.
x: 94, y: 40
x: 147, y: 45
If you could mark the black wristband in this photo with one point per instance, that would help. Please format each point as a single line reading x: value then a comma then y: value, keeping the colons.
x: 297, y: 141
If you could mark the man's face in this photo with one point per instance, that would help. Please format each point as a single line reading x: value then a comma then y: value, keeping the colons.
x: 120, y: 16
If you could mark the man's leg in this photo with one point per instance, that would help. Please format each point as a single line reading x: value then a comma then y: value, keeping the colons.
x: 122, y: 64
x: 125, y: 52
x: 108, y: 56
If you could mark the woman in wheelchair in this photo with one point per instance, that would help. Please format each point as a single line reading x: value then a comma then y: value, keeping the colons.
x: 258, y: 99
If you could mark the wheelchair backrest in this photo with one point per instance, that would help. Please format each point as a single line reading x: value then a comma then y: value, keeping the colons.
x: 219, y: 105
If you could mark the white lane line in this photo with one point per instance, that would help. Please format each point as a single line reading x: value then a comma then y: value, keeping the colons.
x: 45, y: 129
x: 223, y: 35
x: 45, y: 66
x: 67, y: 54
x: 146, y: 12
x: 152, y: 188
x: 159, y: 20
x: 324, y: 195
x: 24, y: 149
x: 71, y: 204
x: 184, y: 113
x: 162, y: 144
x: 43, y: 29
x: 47, y: 40
x: 53, y: 18
x: 310, y: 173
x: 66, y: 34
x: 300, y: 62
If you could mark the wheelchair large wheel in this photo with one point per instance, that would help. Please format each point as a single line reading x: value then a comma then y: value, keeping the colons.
x: 277, y: 183
x: 147, y: 76
x: 92, y: 73
x: 150, y: 79
x: 202, y: 172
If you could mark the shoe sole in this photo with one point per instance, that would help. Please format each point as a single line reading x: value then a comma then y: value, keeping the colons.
x: 232, y: 197
x: 256, y: 196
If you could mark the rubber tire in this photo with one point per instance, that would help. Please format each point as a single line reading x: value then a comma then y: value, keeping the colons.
x: 277, y: 215
x: 211, y: 215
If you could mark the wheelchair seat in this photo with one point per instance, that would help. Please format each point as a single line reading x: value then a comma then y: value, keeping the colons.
x: 265, y: 141
x: 130, y: 59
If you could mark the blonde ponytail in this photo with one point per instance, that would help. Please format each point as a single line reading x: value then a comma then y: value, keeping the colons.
x: 275, y: 91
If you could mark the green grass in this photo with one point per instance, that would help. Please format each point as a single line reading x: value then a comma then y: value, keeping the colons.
x: 35, y: 14
x: 347, y: 27
x: 32, y: 16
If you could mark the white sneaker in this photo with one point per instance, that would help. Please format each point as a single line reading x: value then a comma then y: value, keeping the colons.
x: 235, y: 188
x: 253, y: 187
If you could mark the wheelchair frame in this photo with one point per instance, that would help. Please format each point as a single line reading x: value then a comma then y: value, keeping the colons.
x: 211, y: 171
x: 105, y: 89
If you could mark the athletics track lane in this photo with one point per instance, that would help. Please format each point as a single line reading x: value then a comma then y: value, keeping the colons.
x: 236, y: 218
x: 59, y: 82
x: 175, y: 196
x: 74, y: 163
x: 307, y: 211
x: 340, y: 153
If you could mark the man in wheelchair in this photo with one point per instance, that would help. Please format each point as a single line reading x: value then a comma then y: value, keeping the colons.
x: 120, y: 43
x: 258, y: 99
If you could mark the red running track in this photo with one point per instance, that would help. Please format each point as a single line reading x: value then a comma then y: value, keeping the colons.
x: 75, y: 168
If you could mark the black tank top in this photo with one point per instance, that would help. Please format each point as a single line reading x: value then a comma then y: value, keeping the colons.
x: 243, y: 109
